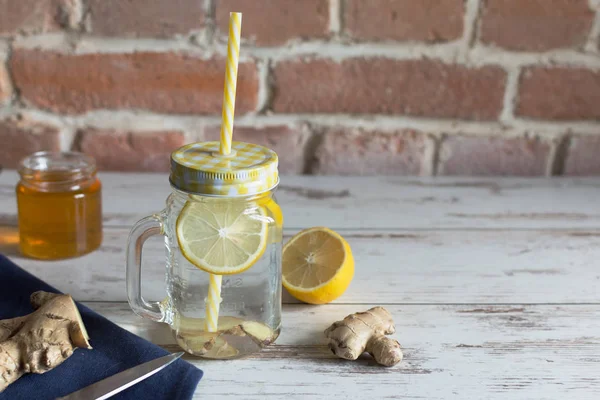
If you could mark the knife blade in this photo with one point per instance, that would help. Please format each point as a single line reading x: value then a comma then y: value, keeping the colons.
x: 112, y: 385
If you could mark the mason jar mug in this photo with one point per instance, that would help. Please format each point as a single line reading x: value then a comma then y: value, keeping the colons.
x: 222, y: 233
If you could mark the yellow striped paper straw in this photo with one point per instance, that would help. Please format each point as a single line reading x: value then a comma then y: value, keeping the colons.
x: 233, y: 56
x: 213, y: 300
x: 213, y: 303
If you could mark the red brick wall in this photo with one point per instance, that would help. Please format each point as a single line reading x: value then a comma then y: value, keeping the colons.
x: 398, y: 87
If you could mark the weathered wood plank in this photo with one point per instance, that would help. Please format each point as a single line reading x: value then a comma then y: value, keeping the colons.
x: 467, y: 352
x: 376, y: 203
x: 444, y: 240
x: 424, y: 267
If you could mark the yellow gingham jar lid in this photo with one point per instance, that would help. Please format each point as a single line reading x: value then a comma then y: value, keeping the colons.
x: 199, y: 168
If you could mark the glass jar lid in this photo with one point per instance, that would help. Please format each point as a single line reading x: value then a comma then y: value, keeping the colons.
x: 199, y: 168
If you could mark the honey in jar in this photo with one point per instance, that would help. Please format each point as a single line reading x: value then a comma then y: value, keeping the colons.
x: 60, y: 205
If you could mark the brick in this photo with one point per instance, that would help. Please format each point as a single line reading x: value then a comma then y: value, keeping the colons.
x: 116, y: 150
x: 269, y: 24
x: 559, y: 94
x: 145, y: 18
x: 21, y: 137
x: 536, y: 25
x: 5, y: 86
x: 422, y: 20
x: 36, y: 16
x: 361, y: 152
x: 384, y: 86
x: 482, y: 156
x: 583, y: 157
x: 162, y: 82
x: 288, y: 142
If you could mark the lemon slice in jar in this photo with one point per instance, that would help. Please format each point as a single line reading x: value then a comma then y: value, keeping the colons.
x: 275, y: 212
x: 222, y: 237
x: 317, y: 265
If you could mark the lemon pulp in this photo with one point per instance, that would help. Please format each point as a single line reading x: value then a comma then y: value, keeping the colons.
x: 222, y: 237
x: 317, y: 265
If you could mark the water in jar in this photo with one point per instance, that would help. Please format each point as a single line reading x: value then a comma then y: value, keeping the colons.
x: 249, y: 316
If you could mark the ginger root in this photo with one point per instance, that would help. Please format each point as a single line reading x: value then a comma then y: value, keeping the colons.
x: 193, y: 338
x: 365, y: 331
x: 42, y: 340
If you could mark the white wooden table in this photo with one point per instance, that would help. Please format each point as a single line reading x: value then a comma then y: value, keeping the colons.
x: 494, y: 285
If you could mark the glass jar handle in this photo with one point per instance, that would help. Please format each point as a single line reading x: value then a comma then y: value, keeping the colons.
x: 141, y: 231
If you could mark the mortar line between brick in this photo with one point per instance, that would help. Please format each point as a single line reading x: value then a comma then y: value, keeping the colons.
x: 6, y: 112
x: 594, y: 36
x: 4, y: 44
x: 66, y: 127
x: 67, y: 137
x: 335, y: 17
x: 5, y: 55
x: 313, y: 142
x: 551, y: 158
x: 437, y: 142
x: 429, y: 157
x: 190, y: 137
x: 557, y: 156
x: 471, y: 21
x: 85, y: 24
x: 147, y: 121
x: 4, y: 50
x: 210, y: 9
x: 264, y: 90
x: 207, y: 37
x: 479, y: 55
x: 78, y: 16
x: 510, y: 95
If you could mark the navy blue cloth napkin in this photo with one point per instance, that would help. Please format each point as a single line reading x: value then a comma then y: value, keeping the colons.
x: 114, y: 350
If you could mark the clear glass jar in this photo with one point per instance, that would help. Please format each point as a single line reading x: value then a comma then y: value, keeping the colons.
x: 59, y: 205
x: 249, y: 316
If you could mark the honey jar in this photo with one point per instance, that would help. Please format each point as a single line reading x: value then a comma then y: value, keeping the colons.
x: 60, y: 205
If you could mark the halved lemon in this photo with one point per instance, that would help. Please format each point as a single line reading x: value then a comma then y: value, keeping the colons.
x: 317, y: 265
x: 222, y: 237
